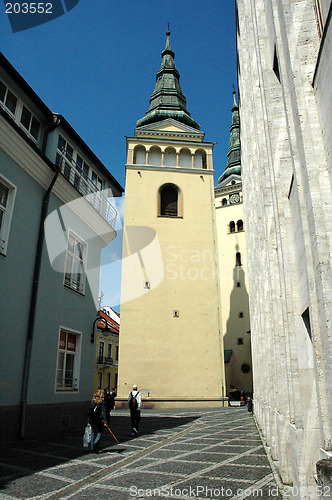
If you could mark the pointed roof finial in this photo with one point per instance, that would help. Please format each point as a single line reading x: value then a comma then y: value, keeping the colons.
x: 168, y: 44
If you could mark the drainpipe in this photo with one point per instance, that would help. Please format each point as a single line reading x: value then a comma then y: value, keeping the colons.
x: 33, y: 303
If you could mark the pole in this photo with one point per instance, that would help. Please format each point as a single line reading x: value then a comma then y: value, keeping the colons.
x: 110, y: 431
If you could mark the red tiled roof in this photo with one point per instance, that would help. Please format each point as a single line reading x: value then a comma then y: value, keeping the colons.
x: 111, y: 323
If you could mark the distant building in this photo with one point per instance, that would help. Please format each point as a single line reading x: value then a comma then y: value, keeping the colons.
x: 54, y: 220
x: 107, y: 349
x: 234, y: 293
x: 285, y: 75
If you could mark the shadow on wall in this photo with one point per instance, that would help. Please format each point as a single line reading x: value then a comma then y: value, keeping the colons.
x: 237, y: 340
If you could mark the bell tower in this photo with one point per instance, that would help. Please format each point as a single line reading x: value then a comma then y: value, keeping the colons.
x: 171, y: 342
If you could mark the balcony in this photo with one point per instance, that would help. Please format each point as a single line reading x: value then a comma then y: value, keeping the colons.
x: 101, y: 360
x: 79, y: 179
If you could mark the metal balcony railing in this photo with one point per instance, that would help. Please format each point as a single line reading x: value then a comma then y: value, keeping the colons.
x: 79, y: 179
x: 75, y: 284
x: 66, y: 384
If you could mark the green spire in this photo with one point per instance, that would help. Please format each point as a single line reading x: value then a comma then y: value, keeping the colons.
x: 234, y: 148
x: 167, y: 99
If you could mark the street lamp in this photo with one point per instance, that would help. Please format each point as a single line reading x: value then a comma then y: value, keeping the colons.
x: 106, y: 329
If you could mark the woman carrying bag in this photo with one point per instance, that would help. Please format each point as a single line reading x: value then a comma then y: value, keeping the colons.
x: 97, y: 414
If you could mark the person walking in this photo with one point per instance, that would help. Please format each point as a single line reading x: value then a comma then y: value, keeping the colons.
x: 109, y: 404
x: 96, y: 414
x: 135, y: 405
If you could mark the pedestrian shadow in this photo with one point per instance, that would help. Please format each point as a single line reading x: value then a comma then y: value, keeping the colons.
x: 20, y: 459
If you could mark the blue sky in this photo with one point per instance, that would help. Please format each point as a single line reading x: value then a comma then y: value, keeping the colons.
x: 96, y: 65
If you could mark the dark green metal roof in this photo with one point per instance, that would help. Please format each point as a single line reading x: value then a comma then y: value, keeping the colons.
x: 234, y: 149
x: 167, y: 99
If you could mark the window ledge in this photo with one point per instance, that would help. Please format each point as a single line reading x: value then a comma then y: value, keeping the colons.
x: 170, y: 216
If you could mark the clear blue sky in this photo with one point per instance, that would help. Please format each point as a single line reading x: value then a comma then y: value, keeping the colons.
x: 96, y: 65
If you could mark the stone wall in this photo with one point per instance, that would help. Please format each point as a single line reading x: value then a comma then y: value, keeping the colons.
x: 287, y: 212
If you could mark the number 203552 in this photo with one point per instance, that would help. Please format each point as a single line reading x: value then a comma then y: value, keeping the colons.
x: 29, y: 8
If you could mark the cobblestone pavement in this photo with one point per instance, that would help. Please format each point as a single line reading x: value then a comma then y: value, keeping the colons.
x: 179, y: 454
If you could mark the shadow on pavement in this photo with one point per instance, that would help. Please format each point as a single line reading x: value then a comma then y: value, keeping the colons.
x: 19, y: 459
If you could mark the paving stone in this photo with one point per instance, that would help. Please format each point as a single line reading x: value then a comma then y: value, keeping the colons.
x: 210, y: 457
x: 76, y: 471
x: 235, y: 450
x: 239, y: 472
x: 253, y: 460
x: 164, y: 453
x: 140, y: 480
x: 176, y: 467
x: 137, y: 464
x: 34, y: 462
x: 30, y: 486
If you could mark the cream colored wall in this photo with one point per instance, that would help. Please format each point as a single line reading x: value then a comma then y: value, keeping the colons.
x: 173, y: 358
x: 234, y: 299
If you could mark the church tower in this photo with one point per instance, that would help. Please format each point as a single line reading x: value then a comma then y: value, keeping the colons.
x: 233, y: 268
x: 171, y: 343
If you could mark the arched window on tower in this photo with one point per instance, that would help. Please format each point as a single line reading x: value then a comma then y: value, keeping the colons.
x: 224, y: 202
x: 238, y: 259
x: 232, y: 227
x: 239, y: 225
x: 169, y: 200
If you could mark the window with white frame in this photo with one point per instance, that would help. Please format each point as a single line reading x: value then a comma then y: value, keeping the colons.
x: 75, y: 263
x: 67, y: 373
x: 30, y: 122
x: 22, y: 115
x: 75, y: 169
x: 7, y: 198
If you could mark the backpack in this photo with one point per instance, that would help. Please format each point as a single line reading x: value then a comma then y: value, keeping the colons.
x: 133, y: 404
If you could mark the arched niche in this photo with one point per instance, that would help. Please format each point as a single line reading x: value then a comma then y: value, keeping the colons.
x: 185, y: 158
x: 139, y: 155
x: 155, y: 156
x: 170, y: 157
x: 200, y: 159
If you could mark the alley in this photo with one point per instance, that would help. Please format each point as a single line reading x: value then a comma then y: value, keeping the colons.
x: 205, y: 454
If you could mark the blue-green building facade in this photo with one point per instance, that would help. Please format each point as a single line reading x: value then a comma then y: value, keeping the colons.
x: 55, y: 218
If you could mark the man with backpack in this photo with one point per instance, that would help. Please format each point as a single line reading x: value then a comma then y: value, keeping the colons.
x: 135, y: 404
